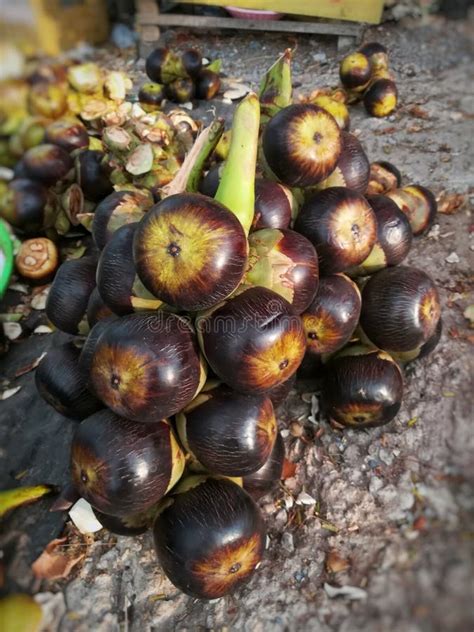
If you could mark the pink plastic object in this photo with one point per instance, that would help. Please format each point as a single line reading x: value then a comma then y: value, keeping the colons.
x: 253, y: 14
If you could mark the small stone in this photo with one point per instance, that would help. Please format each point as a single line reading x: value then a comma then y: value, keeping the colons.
x: 287, y: 542
x: 375, y: 484
x: 385, y: 456
x: 453, y: 258
x: 305, y: 499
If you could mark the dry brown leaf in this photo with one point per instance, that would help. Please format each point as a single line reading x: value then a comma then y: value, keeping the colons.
x: 450, y: 203
x: 289, y: 469
x: 385, y: 130
x: 335, y: 563
x: 418, y: 112
x: 57, y: 560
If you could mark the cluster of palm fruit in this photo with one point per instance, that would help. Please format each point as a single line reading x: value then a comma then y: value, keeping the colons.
x: 179, y: 78
x: 204, y: 306
x: 72, y: 138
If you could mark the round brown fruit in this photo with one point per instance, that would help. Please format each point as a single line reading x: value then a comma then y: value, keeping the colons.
x: 404, y: 357
x: 37, y: 259
x: 274, y: 205
x: 63, y: 385
x: 135, y: 524
x: 151, y: 95
x: 394, y: 237
x: 286, y: 262
x: 355, y: 71
x: 208, y: 85
x: 92, y: 175
x: 265, y: 479
x: 47, y: 163
x: 381, y: 98
x: 121, y: 467
x: 146, y: 366
x: 332, y: 317
x: 24, y: 205
x: 228, y: 433
x: 69, y: 295
x: 180, y: 90
x: 69, y: 134
x: 302, y: 144
x: 254, y: 341
x: 88, y: 349
x: 384, y: 177
x: 335, y: 107
x: 192, y: 61
x: 419, y: 205
x: 96, y: 308
x: 376, y: 53
x: 362, y: 388
x: 190, y: 251
x: 341, y: 225
x: 210, y: 538
x: 117, y: 209
x: 400, y: 308
x: 279, y: 393
x: 352, y: 169
x: 210, y: 183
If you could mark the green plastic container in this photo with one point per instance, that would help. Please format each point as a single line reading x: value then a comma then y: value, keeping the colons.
x: 6, y: 257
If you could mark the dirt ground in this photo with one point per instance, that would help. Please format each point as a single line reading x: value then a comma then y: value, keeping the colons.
x: 392, y: 509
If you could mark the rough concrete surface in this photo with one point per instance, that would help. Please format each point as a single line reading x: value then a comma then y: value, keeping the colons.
x: 393, y: 506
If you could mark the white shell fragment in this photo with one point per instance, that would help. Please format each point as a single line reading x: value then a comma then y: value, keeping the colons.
x: 83, y: 517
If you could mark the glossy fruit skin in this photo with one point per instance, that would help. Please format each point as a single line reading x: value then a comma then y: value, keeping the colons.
x: 146, y: 366
x: 151, y: 94
x: 337, y: 108
x: 266, y: 478
x: 154, y: 64
x: 376, y: 53
x: 400, y: 308
x: 286, y: 262
x: 63, y: 385
x: 254, y: 341
x: 384, y: 177
x: 116, y: 270
x: 47, y: 163
x: 363, y: 390
x: 208, y: 85
x: 88, y: 349
x: 190, y: 251
x: 28, y: 202
x: 381, y: 98
x: 192, y: 61
x: 92, y: 175
x: 67, y: 134
x: 312, y: 367
x: 69, y: 295
x: 96, y: 308
x: 117, y: 209
x: 302, y: 144
x: 273, y: 205
x: 279, y: 393
x: 210, y: 183
x: 341, y: 226
x: 180, y: 90
x: 229, y: 433
x: 210, y: 539
x: 332, y: 317
x: 355, y: 71
x: 419, y: 205
x: 121, y: 467
x: 353, y: 167
x: 405, y: 357
x: 135, y: 524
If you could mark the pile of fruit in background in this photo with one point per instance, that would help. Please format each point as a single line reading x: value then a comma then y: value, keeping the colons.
x: 206, y: 296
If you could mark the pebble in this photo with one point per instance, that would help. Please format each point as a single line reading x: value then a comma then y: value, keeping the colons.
x: 453, y: 258
x: 375, y: 484
x: 287, y: 542
x: 305, y: 499
x: 386, y: 456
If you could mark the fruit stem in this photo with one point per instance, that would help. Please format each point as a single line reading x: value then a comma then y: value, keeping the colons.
x: 237, y: 186
x: 275, y: 87
x: 190, y: 172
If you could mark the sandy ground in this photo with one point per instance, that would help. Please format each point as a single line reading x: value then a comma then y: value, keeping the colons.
x: 393, y: 505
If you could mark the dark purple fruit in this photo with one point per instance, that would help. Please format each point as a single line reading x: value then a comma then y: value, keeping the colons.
x: 381, y: 98
x: 210, y: 183
x: 136, y: 524
x: 362, y: 388
x: 355, y: 71
x: 47, y: 163
x: 274, y: 205
x: 208, y: 85
x: 93, y: 175
x: 266, y: 478
x: 151, y: 94
x: 24, y: 205
x: 353, y: 167
x: 63, y: 385
x: 384, y: 177
x: 180, y: 90
x: 68, y: 134
x: 96, y: 308
x: 210, y: 538
x: 192, y: 61
x: 279, y: 393
x: 117, y: 209
x: 121, y: 467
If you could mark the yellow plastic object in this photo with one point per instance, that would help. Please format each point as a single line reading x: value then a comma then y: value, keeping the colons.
x: 355, y: 10
x: 56, y: 25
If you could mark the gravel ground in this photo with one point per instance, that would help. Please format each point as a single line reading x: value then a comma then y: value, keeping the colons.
x: 392, y: 507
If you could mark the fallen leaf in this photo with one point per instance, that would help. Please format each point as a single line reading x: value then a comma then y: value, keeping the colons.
x: 450, y: 203
x: 9, y: 393
x: 31, y: 366
x: 335, y: 563
x: 12, y: 330
x: 386, y: 130
x: 57, y: 560
x: 289, y: 469
x: 13, y: 498
x: 420, y: 523
x: 418, y: 112
x: 351, y: 592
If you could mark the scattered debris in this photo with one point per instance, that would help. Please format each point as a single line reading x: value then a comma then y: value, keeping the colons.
x: 9, y: 393
x: 12, y: 330
x: 354, y: 593
x: 453, y: 258
x: 83, y: 517
x: 57, y: 560
x: 305, y: 499
x: 335, y: 563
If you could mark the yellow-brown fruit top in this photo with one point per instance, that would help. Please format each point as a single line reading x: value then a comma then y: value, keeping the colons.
x: 37, y: 258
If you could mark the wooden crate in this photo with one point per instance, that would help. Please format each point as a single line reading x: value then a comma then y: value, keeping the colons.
x: 355, y: 10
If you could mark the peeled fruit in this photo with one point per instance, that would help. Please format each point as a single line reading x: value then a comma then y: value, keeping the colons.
x: 341, y: 225
x: 381, y: 98
x: 384, y: 177
x: 210, y: 538
x: 37, y: 258
x: 355, y: 71
x: 362, y: 388
x: 63, y: 385
x: 190, y: 251
x: 253, y: 341
x: 266, y: 477
x: 332, y: 317
x: 302, y: 144
x: 275, y: 205
x: 69, y: 134
x: 228, y: 433
x: 147, y: 366
x: 69, y: 295
x: 286, y: 262
x: 121, y: 467
x: 47, y: 163
x: 419, y: 205
x: 352, y: 169
x: 400, y: 308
